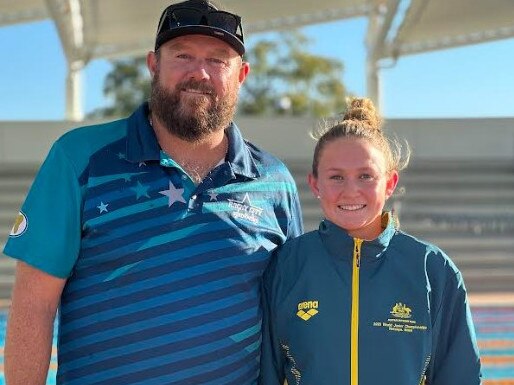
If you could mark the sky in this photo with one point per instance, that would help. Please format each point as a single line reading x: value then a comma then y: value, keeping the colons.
x: 470, y: 81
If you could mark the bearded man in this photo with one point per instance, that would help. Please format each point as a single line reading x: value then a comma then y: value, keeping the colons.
x: 149, y: 234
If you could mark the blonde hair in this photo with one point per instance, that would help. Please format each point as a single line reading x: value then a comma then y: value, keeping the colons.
x: 362, y: 120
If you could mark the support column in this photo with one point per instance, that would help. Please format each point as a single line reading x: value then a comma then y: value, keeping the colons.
x: 69, y: 21
x: 372, y: 74
x: 74, y: 110
x: 373, y: 81
x: 380, y: 22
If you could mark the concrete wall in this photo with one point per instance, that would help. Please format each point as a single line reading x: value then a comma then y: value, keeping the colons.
x: 288, y: 138
x: 29, y: 142
x: 429, y: 138
x: 457, y: 138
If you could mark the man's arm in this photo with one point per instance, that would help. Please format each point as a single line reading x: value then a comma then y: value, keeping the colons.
x: 28, y: 345
x: 272, y: 365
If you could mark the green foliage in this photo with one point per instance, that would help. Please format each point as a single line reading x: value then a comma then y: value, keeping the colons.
x: 284, y: 79
x: 287, y: 79
x: 127, y: 85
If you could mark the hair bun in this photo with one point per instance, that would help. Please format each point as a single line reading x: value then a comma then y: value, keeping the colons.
x: 363, y: 110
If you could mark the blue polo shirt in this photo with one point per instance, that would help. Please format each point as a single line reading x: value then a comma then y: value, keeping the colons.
x: 162, y: 275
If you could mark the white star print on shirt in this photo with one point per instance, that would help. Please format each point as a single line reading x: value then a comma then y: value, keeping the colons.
x: 102, y: 207
x: 174, y: 194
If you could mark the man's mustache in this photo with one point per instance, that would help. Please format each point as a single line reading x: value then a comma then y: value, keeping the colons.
x: 196, y: 85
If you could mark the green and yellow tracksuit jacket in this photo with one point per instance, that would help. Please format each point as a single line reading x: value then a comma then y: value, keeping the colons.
x: 343, y: 311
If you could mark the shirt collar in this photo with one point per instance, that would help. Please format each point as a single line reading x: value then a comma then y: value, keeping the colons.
x: 340, y: 244
x: 142, y: 144
x: 239, y: 156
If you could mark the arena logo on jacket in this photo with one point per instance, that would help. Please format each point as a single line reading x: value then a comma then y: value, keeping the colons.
x: 400, y: 320
x: 20, y: 225
x: 307, y: 309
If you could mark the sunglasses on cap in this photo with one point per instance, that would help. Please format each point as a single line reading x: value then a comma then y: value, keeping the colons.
x: 183, y: 16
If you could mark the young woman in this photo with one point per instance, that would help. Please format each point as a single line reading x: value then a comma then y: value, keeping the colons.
x: 358, y: 301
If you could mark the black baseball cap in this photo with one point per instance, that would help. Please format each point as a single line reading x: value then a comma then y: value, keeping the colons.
x: 200, y: 17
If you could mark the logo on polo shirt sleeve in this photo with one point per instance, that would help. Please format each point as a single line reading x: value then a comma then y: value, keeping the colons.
x: 20, y: 225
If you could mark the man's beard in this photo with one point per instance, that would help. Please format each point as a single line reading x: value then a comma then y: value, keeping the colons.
x: 191, y: 119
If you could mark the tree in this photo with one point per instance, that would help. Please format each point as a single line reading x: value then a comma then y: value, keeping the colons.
x: 128, y: 85
x: 284, y: 79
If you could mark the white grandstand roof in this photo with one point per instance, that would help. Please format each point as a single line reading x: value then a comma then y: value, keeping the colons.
x: 114, y: 28
x: 436, y: 24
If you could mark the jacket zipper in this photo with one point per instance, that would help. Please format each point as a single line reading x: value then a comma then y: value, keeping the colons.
x: 355, y: 312
x: 423, y: 380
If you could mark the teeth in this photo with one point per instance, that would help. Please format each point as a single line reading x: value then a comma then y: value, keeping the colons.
x: 196, y: 91
x: 351, y: 207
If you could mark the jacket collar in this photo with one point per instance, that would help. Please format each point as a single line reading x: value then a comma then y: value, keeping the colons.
x: 340, y: 245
